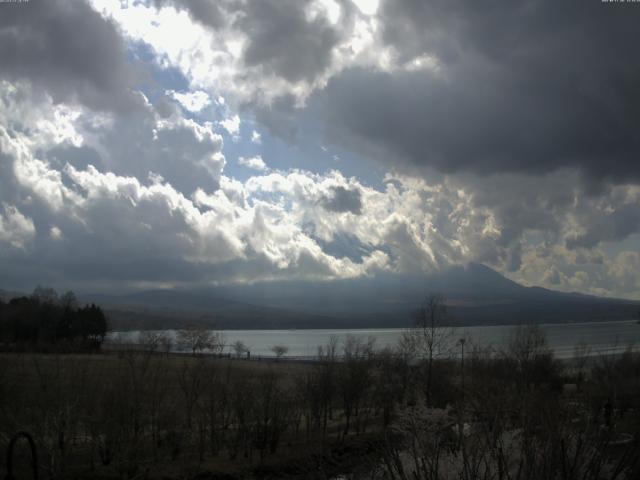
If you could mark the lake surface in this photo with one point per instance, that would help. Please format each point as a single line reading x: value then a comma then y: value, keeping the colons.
x: 600, y: 337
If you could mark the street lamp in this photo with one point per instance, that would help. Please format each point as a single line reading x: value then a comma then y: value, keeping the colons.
x: 462, y: 342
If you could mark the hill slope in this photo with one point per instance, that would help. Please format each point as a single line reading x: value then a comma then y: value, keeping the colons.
x: 475, y: 294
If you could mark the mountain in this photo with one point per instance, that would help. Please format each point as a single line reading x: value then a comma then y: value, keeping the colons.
x: 166, y: 309
x: 475, y: 295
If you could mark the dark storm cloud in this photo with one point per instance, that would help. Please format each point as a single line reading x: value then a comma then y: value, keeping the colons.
x: 183, y: 152
x: 91, y: 269
x: 282, y: 38
x: 612, y: 226
x: 284, y: 42
x: 520, y: 87
x: 343, y: 200
x: 67, y: 48
x: 345, y: 245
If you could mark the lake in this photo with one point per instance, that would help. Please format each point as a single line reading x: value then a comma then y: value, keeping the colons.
x: 600, y: 337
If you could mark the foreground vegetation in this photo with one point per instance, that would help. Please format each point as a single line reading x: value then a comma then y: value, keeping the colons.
x: 356, y: 412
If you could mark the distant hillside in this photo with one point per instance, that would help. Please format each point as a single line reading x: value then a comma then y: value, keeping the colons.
x: 476, y: 295
x: 6, y: 295
x: 166, y: 309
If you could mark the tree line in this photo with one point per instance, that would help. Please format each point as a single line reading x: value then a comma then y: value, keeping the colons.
x: 46, y: 320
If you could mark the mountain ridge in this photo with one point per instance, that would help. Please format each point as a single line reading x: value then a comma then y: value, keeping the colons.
x: 475, y: 295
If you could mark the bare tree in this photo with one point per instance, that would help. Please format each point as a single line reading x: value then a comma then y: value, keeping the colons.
x: 197, y: 339
x: 354, y: 377
x: 327, y: 363
x: 166, y: 343
x: 279, y: 350
x: 530, y: 355
x: 217, y: 343
x: 527, y: 342
x: 149, y: 341
x: 68, y: 300
x: 239, y: 348
x: 431, y: 337
x: 45, y: 295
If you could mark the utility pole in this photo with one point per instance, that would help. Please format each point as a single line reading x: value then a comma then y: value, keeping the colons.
x: 461, y: 408
x: 462, y: 342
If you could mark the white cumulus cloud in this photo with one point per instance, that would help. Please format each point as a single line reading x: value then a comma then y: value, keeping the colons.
x: 255, y: 163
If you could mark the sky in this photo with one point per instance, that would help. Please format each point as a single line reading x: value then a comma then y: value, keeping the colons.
x: 187, y: 143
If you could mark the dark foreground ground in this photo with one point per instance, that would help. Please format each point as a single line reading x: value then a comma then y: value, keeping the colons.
x: 517, y: 415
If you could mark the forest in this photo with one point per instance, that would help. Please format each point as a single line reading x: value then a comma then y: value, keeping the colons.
x: 46, y: 321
